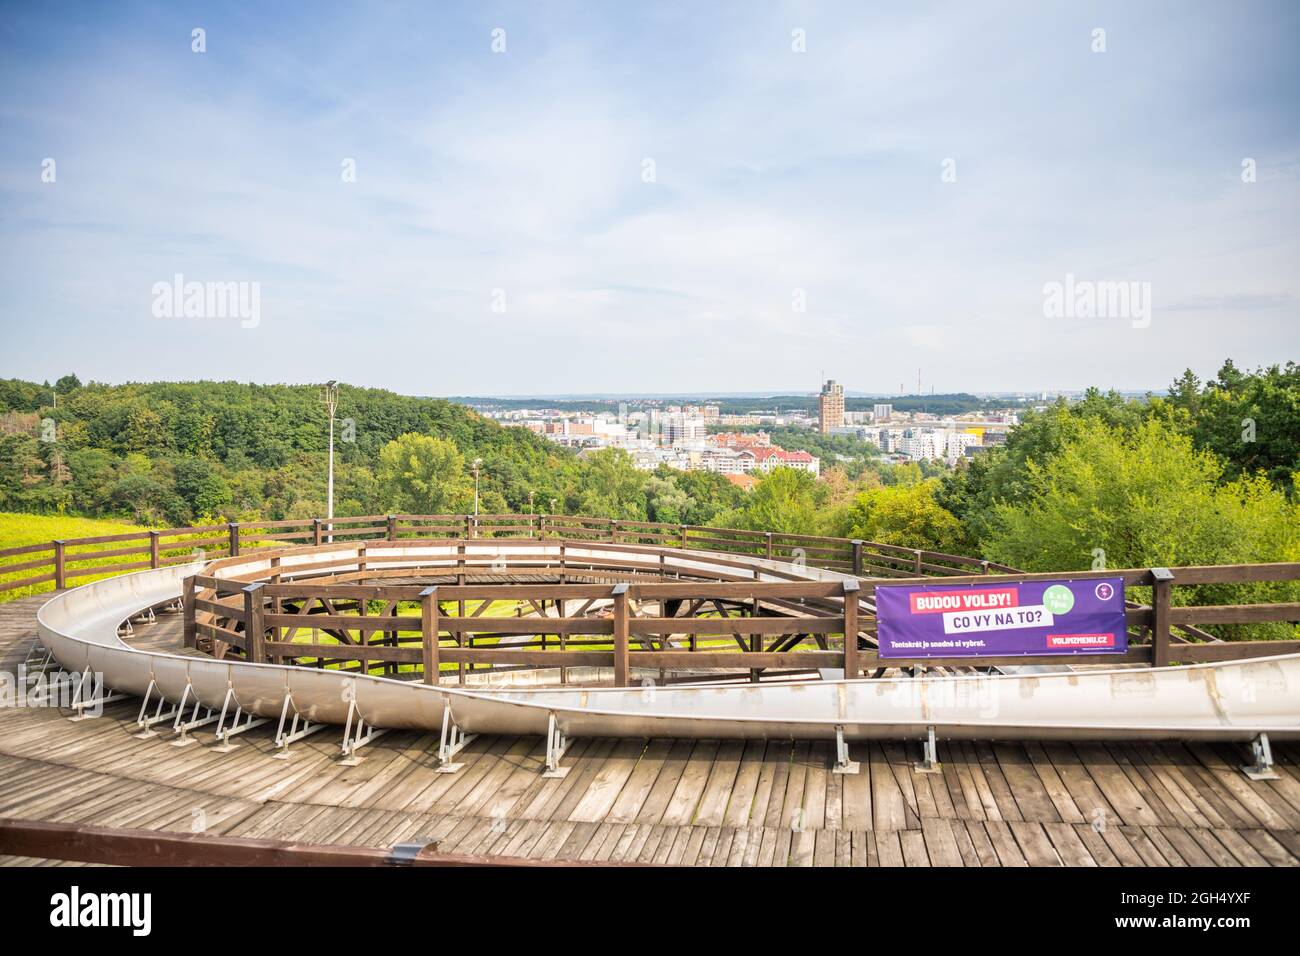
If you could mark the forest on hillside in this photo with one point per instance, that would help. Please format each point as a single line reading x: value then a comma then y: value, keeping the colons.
x: 175, y: 453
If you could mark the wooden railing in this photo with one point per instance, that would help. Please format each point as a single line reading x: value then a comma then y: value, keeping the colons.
x: 54, y: 565
x: 639, y: 607
x: 262, y: 615
x: 1163, y: 630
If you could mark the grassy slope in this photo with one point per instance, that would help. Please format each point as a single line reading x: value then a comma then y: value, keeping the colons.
x: 17, y: 530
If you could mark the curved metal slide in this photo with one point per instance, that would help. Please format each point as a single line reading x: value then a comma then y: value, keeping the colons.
x: 1235, y: 700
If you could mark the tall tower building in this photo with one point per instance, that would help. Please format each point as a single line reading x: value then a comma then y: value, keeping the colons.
x: 831, y: 406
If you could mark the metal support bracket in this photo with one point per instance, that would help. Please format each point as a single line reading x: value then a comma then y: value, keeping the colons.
x: 80, y: 702
x: 183, y: 726
x: 556, y: 745
x: 45, y: 690
x: 282, y: 739
x: 842, y: 762
x: 352, y: 742
x: 1262, y: 768
x: 404, y: 854
x: 224, y: 733
x: 38, y: 656
x: 929, y: 755
x: 453, y: 741
x: 146, y: 723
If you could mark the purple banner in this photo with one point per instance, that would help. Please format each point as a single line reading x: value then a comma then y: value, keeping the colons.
x: 1002, y: 620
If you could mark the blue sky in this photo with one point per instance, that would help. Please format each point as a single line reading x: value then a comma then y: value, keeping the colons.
x: 777, y: 175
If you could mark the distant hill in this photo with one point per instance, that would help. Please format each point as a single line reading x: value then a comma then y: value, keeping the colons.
x: 175, y: 451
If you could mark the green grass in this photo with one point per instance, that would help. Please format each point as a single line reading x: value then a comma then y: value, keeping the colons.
x: 17, y: 530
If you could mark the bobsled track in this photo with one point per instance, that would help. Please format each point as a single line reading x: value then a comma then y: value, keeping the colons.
x: 570, y: 698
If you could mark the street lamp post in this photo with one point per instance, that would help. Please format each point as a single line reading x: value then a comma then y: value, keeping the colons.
x: 331, y: 395
x: 478, y: 463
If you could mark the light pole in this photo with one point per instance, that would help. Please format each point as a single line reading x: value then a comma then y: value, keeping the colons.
x: 478, y: 463
x: 331, y: 395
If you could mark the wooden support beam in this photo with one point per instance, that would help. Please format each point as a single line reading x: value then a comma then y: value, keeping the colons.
x: 60, y: 570
x: 254, y: 628
x: 621, y: 669
x: 190, y: 637
x: 92, y: 844
x: 429, y: 634
x: 851, y: 589
x: 1162, y: 580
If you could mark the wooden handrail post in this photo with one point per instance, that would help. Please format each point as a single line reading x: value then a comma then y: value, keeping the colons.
x: 234, y: 538
x: 316, y: 531
x: 277, y: 604
x: 541, y: 527
x: 682, y: 530
x: 769, y: 544
x: 469, y: 525
x: 392, y: 527
x: 857, y: 557
x: 613, y: 530
x: 562, y: 543
x: 429, y: 626
x: 918, y: 563
x: 851, y: 589
x: 60, y: 577
x: 153, y: 549
x: 621, y: 663
x: 1162, y: 580
x: 191, y: 632
x: 254, y: 629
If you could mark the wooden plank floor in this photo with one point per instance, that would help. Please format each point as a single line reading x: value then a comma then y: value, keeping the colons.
x: 691, y: 802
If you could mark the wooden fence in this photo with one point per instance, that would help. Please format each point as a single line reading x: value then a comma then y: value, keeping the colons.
x: 754, y: 626
x: 64, y: 563
x: 638, y: 607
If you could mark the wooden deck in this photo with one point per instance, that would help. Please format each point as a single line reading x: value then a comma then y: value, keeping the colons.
x: 706, y: 802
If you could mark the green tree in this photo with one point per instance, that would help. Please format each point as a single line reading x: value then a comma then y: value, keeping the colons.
x: 1252, y: 421
x: 420, y: 474
x: 785, y: 500
x: 908, y: 516
x: 1147, y: 498
x: 668, y: 503
x: 67, y: 383
x: 611, y: 486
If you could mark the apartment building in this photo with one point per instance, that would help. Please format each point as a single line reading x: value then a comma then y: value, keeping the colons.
x: 830, y: 406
